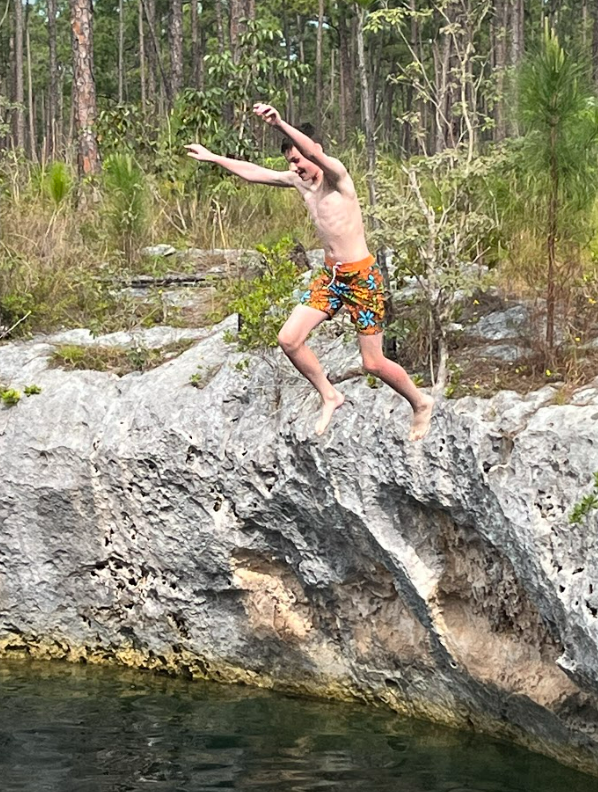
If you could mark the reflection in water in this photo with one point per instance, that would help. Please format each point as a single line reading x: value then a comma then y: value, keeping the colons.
x: 70, y: 728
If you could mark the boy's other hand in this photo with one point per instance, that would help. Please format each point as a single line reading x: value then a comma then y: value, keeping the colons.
x: 268, y: 113
x: 199, y: 152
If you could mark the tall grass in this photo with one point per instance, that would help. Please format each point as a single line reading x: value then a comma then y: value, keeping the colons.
x: 126, y: 203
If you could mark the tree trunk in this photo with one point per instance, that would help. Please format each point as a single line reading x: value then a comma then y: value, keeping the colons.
x: 366, y: 103
x: 19, y: 93
x: 53, y: 88
x: 84, y: 89
x: 219, y: 26
x: 517, y: 32
x: 551, y: 247
x: 332, y: 97
x: 370, y: 142
x: 30, y: 108
x: 353, y: 79
x: 196, y: 49
x: 175, y: 36
x: 300, y: 34
x: 595, y: 42
x: 153, y: 50
x: 319, y: 87
x: 388, y: 91
x: 584, y: 24
x: 442, y: 59
x: 142, y: 81
x: 500, y: 62
x: 237, y: 9
x: 150, y: 15
x: 121, y: 52
x: 289, y: 52
x: 345, y: 100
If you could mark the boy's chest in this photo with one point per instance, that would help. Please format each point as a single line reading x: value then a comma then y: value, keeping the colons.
x: 324, y: 204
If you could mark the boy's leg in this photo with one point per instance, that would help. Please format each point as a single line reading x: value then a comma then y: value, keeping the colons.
x: 394, y: 375
x: 292, y: 338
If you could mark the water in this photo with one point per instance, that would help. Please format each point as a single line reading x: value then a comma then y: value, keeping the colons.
x: 67, y: 728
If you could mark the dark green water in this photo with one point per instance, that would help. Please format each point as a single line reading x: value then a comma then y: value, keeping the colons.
x: 67, y: 728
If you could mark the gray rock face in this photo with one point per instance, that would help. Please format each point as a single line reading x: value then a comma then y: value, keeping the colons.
x: 208, y: 531
x: 511, y: 323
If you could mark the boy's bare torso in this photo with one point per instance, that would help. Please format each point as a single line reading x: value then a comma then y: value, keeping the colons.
x: 336, y: 213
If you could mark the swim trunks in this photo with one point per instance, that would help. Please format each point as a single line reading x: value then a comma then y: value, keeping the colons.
x: 357, y: 285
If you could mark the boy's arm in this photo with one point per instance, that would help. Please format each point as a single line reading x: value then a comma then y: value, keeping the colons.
x: 334, y: 170
x: 246, y: 170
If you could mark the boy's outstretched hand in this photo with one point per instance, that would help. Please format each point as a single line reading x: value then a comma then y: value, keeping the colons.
x: 268, y: 113
x: 199, y: 152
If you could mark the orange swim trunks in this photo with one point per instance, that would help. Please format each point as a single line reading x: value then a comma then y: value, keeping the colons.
x: 357, y: 285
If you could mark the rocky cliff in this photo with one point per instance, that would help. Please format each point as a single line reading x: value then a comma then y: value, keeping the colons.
x: 208, y: 531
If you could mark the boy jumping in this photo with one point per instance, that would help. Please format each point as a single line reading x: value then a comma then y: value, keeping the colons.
x: 351, y: 276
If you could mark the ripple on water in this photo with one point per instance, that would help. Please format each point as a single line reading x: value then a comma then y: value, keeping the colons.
x: 66, y: 728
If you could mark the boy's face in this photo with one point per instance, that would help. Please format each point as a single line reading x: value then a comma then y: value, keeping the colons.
x: 304, y: 168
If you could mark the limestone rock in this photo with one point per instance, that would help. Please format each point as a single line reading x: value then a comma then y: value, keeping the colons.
x: 511, y: 323
x: 159, y: 250
x: 209, y: 531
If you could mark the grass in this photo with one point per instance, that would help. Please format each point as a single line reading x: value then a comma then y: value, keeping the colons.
x: 116, y: 360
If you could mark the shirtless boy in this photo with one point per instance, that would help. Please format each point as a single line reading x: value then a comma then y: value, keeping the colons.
x: 351, y: 276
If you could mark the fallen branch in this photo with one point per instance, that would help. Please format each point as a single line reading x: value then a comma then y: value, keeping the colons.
x: 16, y: 324
x: 184, y: 279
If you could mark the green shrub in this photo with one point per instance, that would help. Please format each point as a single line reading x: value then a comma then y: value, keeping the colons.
x: 10, y: 397
x: 57, y: 182
x: 116, y: 359
x: 126, y: 203
x: 587, y: 504
x: 264, y: 303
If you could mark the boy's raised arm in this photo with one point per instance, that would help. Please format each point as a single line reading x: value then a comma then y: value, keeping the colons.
x: 245, y: 170
x: 333, y: 168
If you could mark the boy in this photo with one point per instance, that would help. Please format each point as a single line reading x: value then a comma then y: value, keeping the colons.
x: 351, y: 275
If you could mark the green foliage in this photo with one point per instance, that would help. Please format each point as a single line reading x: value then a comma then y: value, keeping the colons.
x: 196, y: 379
x: 437, y: 216
x: 587, y: 504
x: 115, y: 359
x: 263, y: 303
x: 10, y: 396
x: 259, y: 71
x: 126, y: 128
x: 57, y: 182
x: 32, y: 390
x: 13, y: 307
x: 200, y: 378
x: 560, y: 117
x: 7, y: 108
x: 126, y: 202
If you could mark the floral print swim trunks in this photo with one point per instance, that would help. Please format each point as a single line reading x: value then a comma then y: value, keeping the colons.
x: 357, y: 285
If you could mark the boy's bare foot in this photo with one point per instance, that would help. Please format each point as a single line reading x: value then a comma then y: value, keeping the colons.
x: 421, y: 419
x: 328, y: 408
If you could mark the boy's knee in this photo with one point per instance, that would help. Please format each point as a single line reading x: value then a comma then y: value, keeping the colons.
x: 288, y: 341
x: 372, y: 365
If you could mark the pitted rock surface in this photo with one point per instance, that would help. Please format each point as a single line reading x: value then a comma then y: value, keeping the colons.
x: 209, y: 531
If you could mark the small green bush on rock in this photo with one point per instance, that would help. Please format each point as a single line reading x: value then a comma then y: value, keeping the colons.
x: 264, y: 303
x: 10, y: 397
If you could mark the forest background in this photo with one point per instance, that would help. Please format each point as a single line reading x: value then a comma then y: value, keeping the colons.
x: 470, y: 128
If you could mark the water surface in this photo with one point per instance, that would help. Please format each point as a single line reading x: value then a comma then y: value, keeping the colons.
x: 67, y: 728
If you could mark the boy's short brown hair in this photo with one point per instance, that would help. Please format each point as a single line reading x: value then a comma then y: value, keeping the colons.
x: 307, y: 129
